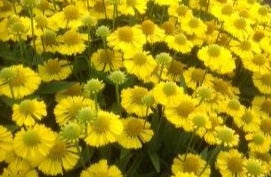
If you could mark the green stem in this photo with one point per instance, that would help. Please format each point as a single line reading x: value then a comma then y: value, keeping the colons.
x: 33, y: 31
x: 160, y: 74
x: 11, y: 90
x: 21, y: 47
x: 14, y: 7
x: 104, y: 6
x: 96, y: 101
x: 54, y: 4
x: 79, y: 154
x: 117, y: 97
x: 115, y: 13
x: 189, y: 143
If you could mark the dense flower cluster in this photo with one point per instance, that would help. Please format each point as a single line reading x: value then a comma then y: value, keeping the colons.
x: 112, y: 88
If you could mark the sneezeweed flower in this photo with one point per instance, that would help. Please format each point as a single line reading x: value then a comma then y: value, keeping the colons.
x: 231, y: 163
x: 258, y: 142
x: 68, y: 108
x: 168, y: 93
x: 257, y: 63
x: 47, y: 42
x: 18, y: 81
x: 255, y: 167
x: 190, y: 163
x: 102, y: 32
x: 14, y: 172
x: 180, y: 11
x: 179, y: 43
x: 198, y: 122
x: 74, y: 90
x: 262, y: 105
x: 130, y: 7
x: 195, y: 77
x: 193, y: 26
x: 136, y: 61
x: 117, y: 77
x: 262, y: 82
x: 54, y: 69
x: 28, y: 112
x: 217, y: 58
x: 152, y: 32
x: 101, y: 168
x: 164, y: 59
x: 223, y: 88
x: 226, y: 136
x: 135, y: 132
x: 106, y: 60
x: 93, y: 87
x: 104, y: 130
x: 72, y: 42
x: 232, y: 107
x: 244, y: 49
x: 265, y: 125
x: 210, y: 135
x: 86, y: 115
x: 5, y: 142
x: 265, y: 44
x: 126, y: 38
x: 71, y: 132
x: 34, y: 143
x: 131, y: 101
x: 62, y: 157
x: 249, y: 121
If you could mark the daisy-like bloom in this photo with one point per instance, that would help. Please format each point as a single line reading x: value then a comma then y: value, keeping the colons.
x: 71, y: 132
x: 101, y: 168
x: 152, y: 32
x: 244, y: 49
x: 262, y: 105
x: 198, y: 122
x: 126, y: 38
x: 74, y: 90
x: 265, y: 125
x: 193, y: 26
x: 101, y: 9
x: 255, y: 167
x: 34, y: 143
x: 106, y: 60
x: 181, y: 174
x: 134, y: 64
x: 28, y: 111
x: 257, y: 63
x: 180, y: 11
x: 132, y: 101
x: 265, y: 158
x: 179, y: 43
x: 14, y: 172
x: 72, y: 42
x: 261, y: 13
x: 169, y: 27
x: 17, y: 81
x: 54, y: 69
x: 190, y: 163
x: 179, y: 113
x: 135, y: 133
x: 195, y: 77
x: 68, y: 108
x: 47, y: 42
x: 168, y: 93
x: 226, y: 136
x: 6, y: 8
x: 249, y: 121
x: 262, y: 82
x: 258, y: 142
x: 175, y: 70
x: 232, y: 107
x: 62, y: 156
x: 5, y: 142
x: 222, y: 12
x: 238, y: 26
x: 104, y: 130
x: 265, y: 44
x: 128, y: 7
x: 217, y: 58
x: 224, y: 88
x: 231, y: 163
x: 210, y: 135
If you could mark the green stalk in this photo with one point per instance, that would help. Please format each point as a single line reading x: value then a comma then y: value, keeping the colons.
x: 117, y: 97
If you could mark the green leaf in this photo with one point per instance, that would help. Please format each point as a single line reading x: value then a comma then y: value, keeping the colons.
x: 155, y: 160
x: 53, y: 87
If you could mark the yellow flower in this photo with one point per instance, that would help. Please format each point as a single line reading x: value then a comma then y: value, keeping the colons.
x: 195, y: 77
x: 190, y: 163
x: 255, y: 167
x: 28, y: 111
x: 101, y: 9
x: 231, y: 163
x: 179, y: 43
x: 193, y: 26
x: 74, y: 90
x: 244, y: 49
x: 258, y: 142
x: 126, y: 38
x: 47, y: 42
x: 265, y: 44
x: 14, y: 172
x: 232, y: 107
x: 217, y: 58
x: 62, y: 156
x: 135, y: 133
x: 104, y: 130
x: 140, y: 63
x: 226, y: 136
x: 222, y: 11
x: 262, y: 105
x: 17, y: 81
x: 249, y: 121
x: 180, y: 11
x: 167, y: 93
x: 101, y: 168
x: 132, y: 101
x: 54, y: 69
x: 262, y: 82
x: 210, y: 135
x: 5, y: 142
x: 257, y: 63
x: 128, y: 7
x: 181, y: 174
x: 34, y: 143
x: 106, y: 60
x: 152, y: 32
x: 68, y: 108
x: 72, y: 42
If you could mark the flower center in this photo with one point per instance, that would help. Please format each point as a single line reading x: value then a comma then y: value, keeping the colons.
x: 71, y: 38
x: 7, y: 74
x: 185, y: 108
x: 245, y: 45
x: 234, y: 104
x: 31, y: 138
x: 71, y: 131
x: 247, y: 117
x: 106, y: 56
x: 53, y: 66
x: 58, y: 151
x: 266, y: 106
x: 240, y: 23
x: 193, y: 23
x: 126, y: 34
x: 198, y: 75
x: 49, y: 38
x: 19, y: 80
x: 42, y: 21
x: 235, y: 164
x: 199, y: 121
x: 27, y: 107
x: 214, y: 51
x: 148, y: 27
x: 181, y: 10
x: 180, y: 39
x: 266, y: 126
x: 221, y: 86
x: 254, y: 168
x: 263, y: 10
x: 258, y: 139
x: 259, y: 60
x: 227, y: 9
x: 225, y: 135
x: 169, y: 89
x: 258, y: 35
x: 134, y: 127
x: 138, y: 94
x: 168, y: 27
x: 74, y: 109
x: 175, y: 68
x: 131, y: 3
x: 140, y: 59
x: 266, y: 79
x: 101, y: 125
x: 191, y: 164
x: 71, y: 12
